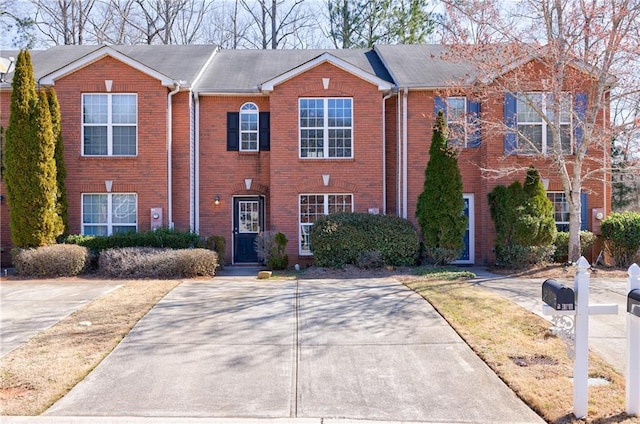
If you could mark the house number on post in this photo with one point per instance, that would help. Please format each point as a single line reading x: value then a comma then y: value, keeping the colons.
x: 573, y: 327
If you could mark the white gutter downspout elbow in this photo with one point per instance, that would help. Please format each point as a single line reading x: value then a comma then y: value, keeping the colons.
x: 405, y: 158
x: 169, y: 153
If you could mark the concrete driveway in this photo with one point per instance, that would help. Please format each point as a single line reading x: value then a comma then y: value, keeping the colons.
x: 28, y: 307
x: 350, y: 349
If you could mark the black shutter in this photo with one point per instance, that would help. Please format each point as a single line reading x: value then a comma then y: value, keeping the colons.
x: 233, y: 131
x: 265, y: 131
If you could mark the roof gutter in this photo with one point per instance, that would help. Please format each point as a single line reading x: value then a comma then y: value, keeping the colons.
x: 176, y: 85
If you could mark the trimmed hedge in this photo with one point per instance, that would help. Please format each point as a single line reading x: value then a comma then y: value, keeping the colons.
x: 342, y: 238
x: 561, y: 255
x: 58, y: 260
x: 160, y: 238
x: 621, y: 233
x: 147, y: 262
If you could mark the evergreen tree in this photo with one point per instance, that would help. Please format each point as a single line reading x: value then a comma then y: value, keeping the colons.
x: 30, y: 167
x: 539, y: 211
x: 440, y: 209
x: 61, y: 170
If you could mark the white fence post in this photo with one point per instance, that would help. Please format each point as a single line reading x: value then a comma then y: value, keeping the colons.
x: 581, y: 360
x: 633, y: 349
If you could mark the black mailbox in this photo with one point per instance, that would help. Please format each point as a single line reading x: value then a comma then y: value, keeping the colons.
x: 558, y: 296
x: 633, y: 302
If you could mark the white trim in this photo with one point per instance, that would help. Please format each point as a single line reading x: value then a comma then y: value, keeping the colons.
x: 98, y: 54
x: 471, y: 226
x: 383, y: 85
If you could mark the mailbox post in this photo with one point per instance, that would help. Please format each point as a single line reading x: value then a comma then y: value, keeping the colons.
x: 575, y: 332
x: 633, y: 341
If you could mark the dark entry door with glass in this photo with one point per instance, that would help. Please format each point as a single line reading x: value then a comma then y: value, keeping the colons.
x: 247, y: 223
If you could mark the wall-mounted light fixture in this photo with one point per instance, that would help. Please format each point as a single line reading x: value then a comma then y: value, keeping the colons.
x: 216, y: 200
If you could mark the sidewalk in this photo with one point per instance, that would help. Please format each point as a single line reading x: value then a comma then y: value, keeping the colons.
x: 607, y: 333
x: 363, y: 349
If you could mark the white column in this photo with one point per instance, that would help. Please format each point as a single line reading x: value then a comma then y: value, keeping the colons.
x: 633, y: 349
x: 581, y: 361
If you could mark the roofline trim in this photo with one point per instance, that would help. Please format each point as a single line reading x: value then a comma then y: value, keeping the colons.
x: 269, y: 85
x: 98, y: 54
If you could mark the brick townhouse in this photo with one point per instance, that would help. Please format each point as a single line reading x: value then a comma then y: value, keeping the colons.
x: 234, y: 142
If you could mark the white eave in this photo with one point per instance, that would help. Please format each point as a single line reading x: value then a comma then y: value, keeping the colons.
x: 268, y: 86
x: 98, y: 54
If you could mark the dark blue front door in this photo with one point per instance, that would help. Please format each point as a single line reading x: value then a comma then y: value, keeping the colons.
x: 247, y: 223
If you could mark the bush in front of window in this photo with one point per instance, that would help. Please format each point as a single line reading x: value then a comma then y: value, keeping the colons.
x: 339, y: 239
x: 621, y: 233
x: 58, y: 260
x: 160, y: 238
x: 561, y: 255
x: 148, y: 262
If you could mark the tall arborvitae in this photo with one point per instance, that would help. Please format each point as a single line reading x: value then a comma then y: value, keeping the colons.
x: 440, y: 209
x: 61, y: 170
x: 540, y: 209
x: 30, y: 167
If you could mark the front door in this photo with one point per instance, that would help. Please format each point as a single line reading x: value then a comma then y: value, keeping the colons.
x: 468, y: 256
x: 247, y: 223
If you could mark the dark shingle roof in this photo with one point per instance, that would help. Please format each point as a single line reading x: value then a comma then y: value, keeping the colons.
x: 176, y: 62
x: 243, y: 71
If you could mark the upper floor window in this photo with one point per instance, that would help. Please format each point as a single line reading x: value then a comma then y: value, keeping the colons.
x: 326, y: 127
x: 463, y: 120
x: 104, y: 214
x: 109, y: 124
x: 536, y: 117
x: 313, y: 206
x: 249, y: 127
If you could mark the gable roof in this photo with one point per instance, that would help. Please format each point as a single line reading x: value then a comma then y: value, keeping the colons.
x: 167, y: 63
x: 249, y: 71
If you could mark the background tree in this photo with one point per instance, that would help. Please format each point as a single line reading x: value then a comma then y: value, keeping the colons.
x: 440, y: 209
x: 599, y: 37
x: 61, y: 170
x: 30, y: 166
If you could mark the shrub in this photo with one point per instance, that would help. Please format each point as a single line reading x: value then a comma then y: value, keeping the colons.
x: 219, y: 245
x: 339, y: 239
x: 369, y: 259
x: 58, y: 260
x: 516, y: 256
x: 621, y: 232
x: 147, y: 262
x: 441, y: 255
x: 561, y: 243
x: 160, y: 238
x: 271, y: 249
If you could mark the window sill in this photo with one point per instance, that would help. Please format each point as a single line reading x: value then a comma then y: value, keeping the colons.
x: 326, y: 159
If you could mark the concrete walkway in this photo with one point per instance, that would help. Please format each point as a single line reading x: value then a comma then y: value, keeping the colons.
x: 607, y: 333
x: 236, y: 347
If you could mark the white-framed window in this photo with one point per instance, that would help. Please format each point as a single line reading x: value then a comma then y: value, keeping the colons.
x: 313, y: 206
x: 457, y: 120
x: 104, y: 214
x: 535, y: 113
x: 560, y: 209
x: 109, y: 124
x: 326, y: 127
x: 249, y: 131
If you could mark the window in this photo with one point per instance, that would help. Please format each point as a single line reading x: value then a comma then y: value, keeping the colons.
x: 463, y: 120
x: 314, y: 205
x: 535, y: 135
x: 109, y: 124
x: 249, y: 128
x: 109, y: 213
x: 326, y: 128
x: 560, y: 210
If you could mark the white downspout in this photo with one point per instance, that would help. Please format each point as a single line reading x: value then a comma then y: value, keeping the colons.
x: 169, y: 153
x: 197, y: 164
x: 399, y: 158
x: 404, y: 154
x: 384, y: 152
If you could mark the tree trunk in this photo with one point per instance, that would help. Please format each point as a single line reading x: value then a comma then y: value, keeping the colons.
x: 574, y: 224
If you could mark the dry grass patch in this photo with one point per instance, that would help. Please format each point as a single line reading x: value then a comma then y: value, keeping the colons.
x: 41, y: 371
x: 517, y: 345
